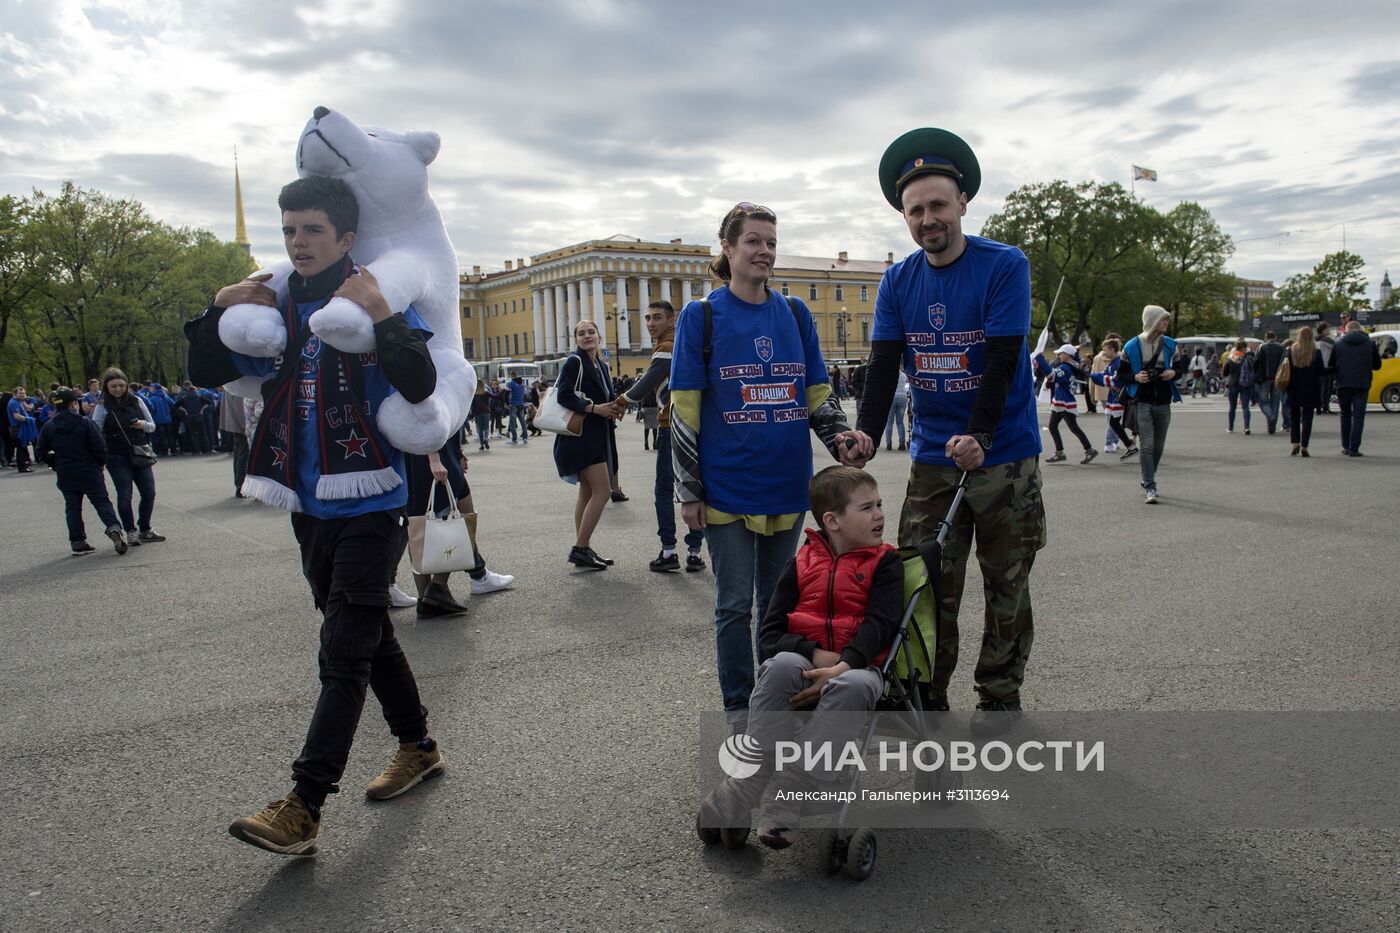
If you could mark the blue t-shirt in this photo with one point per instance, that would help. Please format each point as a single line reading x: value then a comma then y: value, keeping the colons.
x: 307, y: 443
x: 755, y: 455
x: 944, y: 317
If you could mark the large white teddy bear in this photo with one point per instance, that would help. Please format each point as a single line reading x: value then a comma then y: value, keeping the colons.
x: 404, y: 243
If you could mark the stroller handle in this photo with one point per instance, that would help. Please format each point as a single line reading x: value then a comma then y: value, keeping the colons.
x: 946, y: 525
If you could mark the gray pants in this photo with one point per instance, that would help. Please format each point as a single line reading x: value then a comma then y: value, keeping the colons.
x: 771, y: 718
x: 1268, y: 397
x: 1153, y: 421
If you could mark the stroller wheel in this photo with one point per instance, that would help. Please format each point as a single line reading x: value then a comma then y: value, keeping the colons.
x: 860, y: 854
x: 831, y: 851
x: 709, y: 835
x: 734, y: 837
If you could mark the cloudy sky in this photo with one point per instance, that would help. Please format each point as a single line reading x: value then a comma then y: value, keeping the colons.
x: 568, y: 120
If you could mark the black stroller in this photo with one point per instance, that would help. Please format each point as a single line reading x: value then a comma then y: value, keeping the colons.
x: 907, y: 669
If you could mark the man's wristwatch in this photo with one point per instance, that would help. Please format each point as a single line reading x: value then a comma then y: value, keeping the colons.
x: 983, y: 440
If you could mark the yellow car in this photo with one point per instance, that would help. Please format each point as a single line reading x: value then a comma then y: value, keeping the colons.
x: 1385, y: 384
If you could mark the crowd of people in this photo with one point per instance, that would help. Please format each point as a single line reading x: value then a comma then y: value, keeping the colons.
x: 734, y: 391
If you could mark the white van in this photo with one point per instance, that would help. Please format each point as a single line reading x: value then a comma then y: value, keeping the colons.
x: 504, y: 368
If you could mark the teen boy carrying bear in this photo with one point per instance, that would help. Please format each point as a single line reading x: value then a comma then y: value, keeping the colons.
x: 829, y: 623
x: 319, y: 454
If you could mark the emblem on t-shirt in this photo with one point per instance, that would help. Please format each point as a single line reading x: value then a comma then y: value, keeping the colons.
x: 312, y: 349
x: 937, y: 316
x: 773, y: 393
x: 764, y: 346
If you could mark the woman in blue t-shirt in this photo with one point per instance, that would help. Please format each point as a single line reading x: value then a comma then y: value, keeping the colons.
x: 747, y: 381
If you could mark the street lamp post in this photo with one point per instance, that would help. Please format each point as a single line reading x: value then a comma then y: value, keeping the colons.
x: 841, y: 321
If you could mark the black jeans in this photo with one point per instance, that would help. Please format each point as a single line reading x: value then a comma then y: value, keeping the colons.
x: 1072, y: 422
x: 1352, y: 403
x: 240, y: 460
x: 345, y: 561
x: 124, y: 474
x: 73, y: 510
x: 1300, y: 422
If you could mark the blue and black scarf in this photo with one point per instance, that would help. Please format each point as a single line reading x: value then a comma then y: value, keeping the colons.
x: 358, y: 469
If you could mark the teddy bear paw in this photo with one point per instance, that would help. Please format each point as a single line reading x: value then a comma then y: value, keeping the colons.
x: 420, y: 428
x: 253, y: 330
x: 345, y: 326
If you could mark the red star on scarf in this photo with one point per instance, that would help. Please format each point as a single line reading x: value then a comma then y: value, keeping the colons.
x: 279, y: 456
x: 354, y: 445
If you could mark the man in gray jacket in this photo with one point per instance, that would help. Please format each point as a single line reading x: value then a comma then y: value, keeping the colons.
x: 1354, y: 358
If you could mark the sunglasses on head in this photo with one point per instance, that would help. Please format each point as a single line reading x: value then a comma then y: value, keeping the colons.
x: 749, y: 209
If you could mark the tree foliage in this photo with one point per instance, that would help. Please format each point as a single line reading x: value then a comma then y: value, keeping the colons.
x: 89, y: 281
x: 1115, y: 255
x: 1334, y: 284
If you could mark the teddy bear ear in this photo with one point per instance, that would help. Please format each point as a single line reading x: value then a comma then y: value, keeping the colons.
x: 426, y: 144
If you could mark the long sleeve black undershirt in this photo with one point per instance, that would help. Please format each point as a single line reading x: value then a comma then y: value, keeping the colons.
x: 882, y: 378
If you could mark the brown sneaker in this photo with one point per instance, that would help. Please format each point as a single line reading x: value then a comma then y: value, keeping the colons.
x: 284, y: 826
x: 410, y: 766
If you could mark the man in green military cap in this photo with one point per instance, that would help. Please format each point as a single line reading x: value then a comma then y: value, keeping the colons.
x: 955, y: 314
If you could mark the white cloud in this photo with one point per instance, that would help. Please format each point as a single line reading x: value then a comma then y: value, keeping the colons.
x: 564, y: 121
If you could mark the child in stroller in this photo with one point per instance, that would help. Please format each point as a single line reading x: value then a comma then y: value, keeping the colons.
x: 829, y: 623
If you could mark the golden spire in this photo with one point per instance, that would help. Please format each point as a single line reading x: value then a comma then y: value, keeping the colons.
x: 240, y: 226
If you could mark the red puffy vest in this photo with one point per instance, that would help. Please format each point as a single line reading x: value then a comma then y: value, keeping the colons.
x: 833, y: 592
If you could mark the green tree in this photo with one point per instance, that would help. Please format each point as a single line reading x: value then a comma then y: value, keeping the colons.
x: 1334, y: 284
x: 1095, y: 236
x: 1191, y: 281
x: 113, y: 286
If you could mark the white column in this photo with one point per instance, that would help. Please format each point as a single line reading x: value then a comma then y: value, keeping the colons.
x: 666, y: 292
x: 571, y: 293
x: 644, y: 299
x: 600, y: 311
x: 563, y: 342
x: 685, y: 293
x: 537, y: 301
x: 585, y: 307
x: 624, y: 317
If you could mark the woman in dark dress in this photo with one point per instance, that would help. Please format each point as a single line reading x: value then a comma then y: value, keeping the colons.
x: 585, y: 386
x: 1304, y: 388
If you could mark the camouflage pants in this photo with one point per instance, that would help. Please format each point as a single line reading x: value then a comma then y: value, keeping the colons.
x: 1003, y: 508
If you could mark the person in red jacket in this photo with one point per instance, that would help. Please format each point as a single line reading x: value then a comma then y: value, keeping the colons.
x: 828, y: 627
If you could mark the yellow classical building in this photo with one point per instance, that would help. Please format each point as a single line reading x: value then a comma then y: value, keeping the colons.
x: 526, y: 311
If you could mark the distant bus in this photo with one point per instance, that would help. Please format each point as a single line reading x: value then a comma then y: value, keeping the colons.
x: 504, y: 368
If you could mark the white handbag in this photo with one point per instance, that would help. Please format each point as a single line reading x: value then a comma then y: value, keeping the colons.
x: 554, y: 417
x: 440, y: 545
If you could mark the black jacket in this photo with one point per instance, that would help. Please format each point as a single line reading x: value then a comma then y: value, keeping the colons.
x: 597, y: 443
x: 1267, y: 360
x: 1305, y: 382
x: 73, y: 446
x: 1354, y: 358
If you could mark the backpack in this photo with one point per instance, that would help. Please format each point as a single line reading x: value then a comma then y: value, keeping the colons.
x: 1246, y: 378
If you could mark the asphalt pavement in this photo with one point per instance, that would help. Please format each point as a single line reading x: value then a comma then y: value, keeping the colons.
x: 150, y: 699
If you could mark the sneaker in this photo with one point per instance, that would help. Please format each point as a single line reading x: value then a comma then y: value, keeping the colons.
x: 1089, y: 455
x: 583, y: 557
x: 118, y: 539
x: 994, y: 717
x: 284, y: 826
x: 491, y: 583
x: 150, y: 537
x: 1150, y: 497
x: 619, y: 497
x: 694, y: 562
x: 82, y: 547
x: 664, y: 563
x: 398, y: 599
x: 133, y: 539
x: 1246, y: 432
x: 1057, y: 457
x: 1110, y: 448
x: 411, y: 765
x: 510, y: 443
x: 1131, y: 451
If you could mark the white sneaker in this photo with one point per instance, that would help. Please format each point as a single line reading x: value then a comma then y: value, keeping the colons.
x: 399, y: 599
x: 491, y: 582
